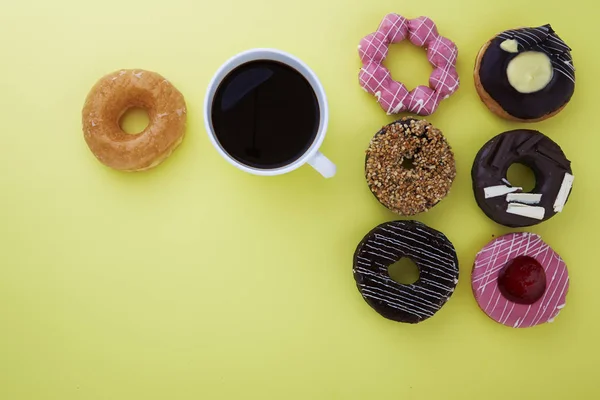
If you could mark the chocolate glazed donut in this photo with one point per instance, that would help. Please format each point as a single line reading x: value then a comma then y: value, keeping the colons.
x: 430, y: 250
x: 493, y: 84
x: 507, y: 205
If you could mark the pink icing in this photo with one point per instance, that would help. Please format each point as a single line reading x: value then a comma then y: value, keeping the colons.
x: 490, y: 261
x: 392, y: 95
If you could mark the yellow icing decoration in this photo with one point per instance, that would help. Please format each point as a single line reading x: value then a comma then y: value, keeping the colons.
x: 529, y: 71
x: 510, y: 45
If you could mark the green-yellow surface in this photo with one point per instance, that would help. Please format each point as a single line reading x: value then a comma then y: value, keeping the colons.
x: 198, y: 281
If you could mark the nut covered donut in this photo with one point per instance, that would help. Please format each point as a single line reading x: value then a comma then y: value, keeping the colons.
x: 430, y: 250
x: 409, y: 166
x: 509, y: 205
x: 111, y: 97
x: 519, y: 281
x: 392, y: 95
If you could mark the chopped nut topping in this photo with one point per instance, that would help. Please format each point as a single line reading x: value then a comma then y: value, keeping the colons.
x: 410, y: 166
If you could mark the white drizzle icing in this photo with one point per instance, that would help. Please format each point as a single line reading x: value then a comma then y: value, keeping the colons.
x: 432, y: 251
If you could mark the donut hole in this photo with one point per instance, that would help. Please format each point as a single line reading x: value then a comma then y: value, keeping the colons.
x: 134, y: 120
x: 404, y: 271
x: 408, y: 163
x: 521, y: 175
x: 408, y: 64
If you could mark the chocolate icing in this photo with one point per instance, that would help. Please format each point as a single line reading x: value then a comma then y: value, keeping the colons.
x: 431, y: 251
x: 492, y: 73
x: 530, y: 148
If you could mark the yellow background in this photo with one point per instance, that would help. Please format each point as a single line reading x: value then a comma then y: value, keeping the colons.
x: 198, y: 281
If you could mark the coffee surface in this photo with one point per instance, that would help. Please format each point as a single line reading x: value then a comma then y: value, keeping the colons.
x: 265, y: 114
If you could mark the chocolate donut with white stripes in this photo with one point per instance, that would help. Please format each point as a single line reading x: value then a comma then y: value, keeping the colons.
x: 429, y: 249
x: 525, y: 74
x: 509, y: 205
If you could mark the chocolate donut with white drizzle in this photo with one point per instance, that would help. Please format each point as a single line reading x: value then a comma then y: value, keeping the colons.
x: 507, y: 205
x: 525, y: 74
x: 430, y: 250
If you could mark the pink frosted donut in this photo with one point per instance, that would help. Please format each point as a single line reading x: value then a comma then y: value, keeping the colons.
x: 392, y: 95
x: 489, y: 265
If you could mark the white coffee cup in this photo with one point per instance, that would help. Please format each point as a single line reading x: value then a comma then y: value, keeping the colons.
x: 312, y: 155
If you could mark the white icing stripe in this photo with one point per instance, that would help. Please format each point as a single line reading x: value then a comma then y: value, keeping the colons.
x: 382, y: 250
x: 568, y: 75
x: 401, y: 299
x: 531, y: 36
x: 427, y: 257
x: 563, y: 193
x: 426, y: 292
x: 422, y: 262
x: 526, y: 211
x: 561, y: 68
x: 568, y: 64
x: 535, y: 318
x: 544, y: 29
x: 418, y: 242
x: 379, y: 255
x: 558, y: 299
x: 423, y: 254
x: 527, y: 198
x: 437, y: 285
x: 445, y: 243
x: 499, y: 190
x: 453, y: 280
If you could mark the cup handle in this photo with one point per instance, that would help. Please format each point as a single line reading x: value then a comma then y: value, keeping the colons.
x: 322, y: 164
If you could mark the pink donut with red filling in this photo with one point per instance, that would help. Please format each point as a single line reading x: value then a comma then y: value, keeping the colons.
x: 392, y: 95
x: 519, y: 281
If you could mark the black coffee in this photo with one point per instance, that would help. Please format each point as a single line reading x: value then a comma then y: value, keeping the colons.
x: 265, y: 114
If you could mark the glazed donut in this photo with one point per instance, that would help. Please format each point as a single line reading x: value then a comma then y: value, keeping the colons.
x: 111, y: 97
x: 392, y: 95
x: 507, y: 205
x: 525, y: 74
x: 519, y: 281
x: 430, y: 250
x: 409, y: 166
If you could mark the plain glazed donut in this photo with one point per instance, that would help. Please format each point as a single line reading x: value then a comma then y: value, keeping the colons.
x: 111, y: 97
